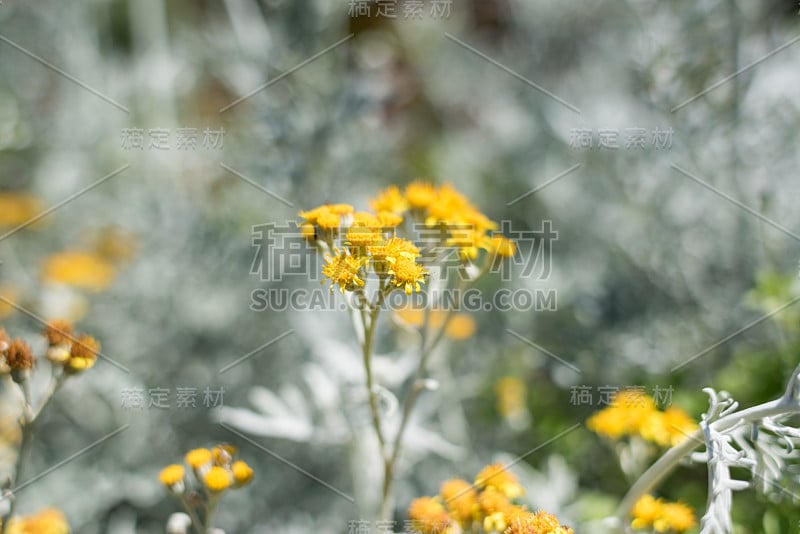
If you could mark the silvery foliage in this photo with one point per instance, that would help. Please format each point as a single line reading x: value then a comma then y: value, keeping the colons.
x: 758, y: 439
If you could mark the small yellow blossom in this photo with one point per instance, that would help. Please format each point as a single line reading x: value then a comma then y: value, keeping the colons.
x: 538, y: 523
x: 420, y: 195
x: 83, y: 354
x: 461, y: 500
x: 18, y: 208
x: 649, y: 512
x: 48, y: 521
x: 389, y: 200
x: 497, y: 476
x: 79, y: 269
x: 407, y: 274
x: 172, y: 475
x: 345, y: 270
x: 242, y: 473
x: 198, y: 458
x: 461, y: 326
x: 364, y: 231
x: 429, y: 516
x: 388, y: 219
x: 218, y: 479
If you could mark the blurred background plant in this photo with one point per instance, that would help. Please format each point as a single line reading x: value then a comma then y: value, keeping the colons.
x: 653, y: 265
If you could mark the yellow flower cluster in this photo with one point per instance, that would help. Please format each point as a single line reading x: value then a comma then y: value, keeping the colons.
x: 215, y: 469
x: 48, y: 521
x: 660, y: 516
x: 633, y: 413
x: 370, y: 239
x: 75, y: 352
x: 487, y: 505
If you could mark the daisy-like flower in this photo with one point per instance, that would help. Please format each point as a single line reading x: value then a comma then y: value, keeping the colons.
x: 497, y: 476
x: 388, y: 219
x: 662, y: 516
x: 345, y: 270
x: 407, y: 273
x: 198, y: 458
x: 242, y: 473
x: 420, y: 195
x: 172, y: 477
x: 461, y: 500
x: 48, y: 521
x: 538, y: 523
x: 218, y: 479
x: 429, y: 516
x: 389, y: 200
x: 364, y: 231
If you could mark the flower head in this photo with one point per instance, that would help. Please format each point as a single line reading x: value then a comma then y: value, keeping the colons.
x: 497, y: 476
x: 345, y: 270
x: 242, y: 473
x: 420, y: 195
x: 218, y: 479
x: 19, y: 355
x: 389, y: 200
x: 649, y: 512
x: 172, y: 476
x: 198, y: 458
x: 461, y: 500
x: 407, y: 273
x: 48, y: 521
x: 83, y: 355
x: 429, y: 516
x: 58, y: 332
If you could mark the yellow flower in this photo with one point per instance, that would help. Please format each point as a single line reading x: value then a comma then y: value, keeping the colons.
x: 389, y: 200
x: 538, y: 523
x: 83, y: 354
x: 79, y: 269
x: 218, y: 479
x: 345, y: 270
x: 497, y: 476
x: 429, y: 516
x: 18, y: 208
x: 387, y: 219
x: 365, y: 230
x: 407, y: 274
x: 649, y: 512
x: 502, y: 247
x: 461, y: 326
x: 626, y: 416
x: 223, y: 454
x: 384, y: 254
x: 511, y: 393
x: 461, y: 500
x: 48, y: 521
x: 197, y: 458
x: 327, y: 216
x: 420, y: 194
x: 307, y: 231
x: 172, y: 475
x: 242, y: 473
x: 668, y: 428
